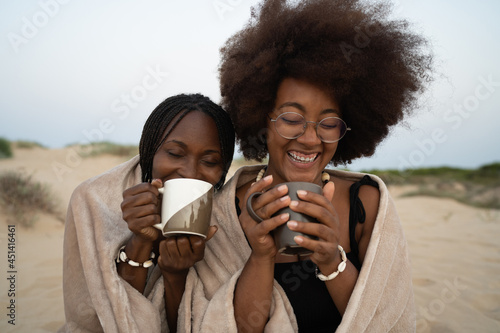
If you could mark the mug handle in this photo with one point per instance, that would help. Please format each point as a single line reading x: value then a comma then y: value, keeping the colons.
x: 158, y: 225
x: 250, y: 210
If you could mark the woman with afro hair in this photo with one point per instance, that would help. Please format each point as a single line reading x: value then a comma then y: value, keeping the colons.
x: 310, y: 84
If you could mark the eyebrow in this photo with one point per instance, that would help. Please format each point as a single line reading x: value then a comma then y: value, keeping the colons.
x: 183, y: 145
x: 301, y: 108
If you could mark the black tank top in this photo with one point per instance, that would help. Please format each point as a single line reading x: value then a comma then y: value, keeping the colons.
x: 313, y: 307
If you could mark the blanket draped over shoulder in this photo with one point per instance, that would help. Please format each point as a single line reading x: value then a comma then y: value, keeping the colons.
x: 97, y: 299
x: 382, y: 300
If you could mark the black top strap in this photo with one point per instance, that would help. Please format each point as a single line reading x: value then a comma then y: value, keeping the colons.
x: 357, y: 211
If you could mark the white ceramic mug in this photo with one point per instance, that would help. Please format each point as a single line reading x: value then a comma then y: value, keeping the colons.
x: 186, y: 207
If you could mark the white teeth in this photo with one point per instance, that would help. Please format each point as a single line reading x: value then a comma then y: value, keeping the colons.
x: 302, y: 159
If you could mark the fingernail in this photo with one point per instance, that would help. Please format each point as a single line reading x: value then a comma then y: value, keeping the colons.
x: 282, y: 188
x: 302, y: 193
x: 285, y: 216
x: 266, y: 178
x: 286, y: 197
x: 292, y: 224
x: 294, y: 203
x: 298, y: 239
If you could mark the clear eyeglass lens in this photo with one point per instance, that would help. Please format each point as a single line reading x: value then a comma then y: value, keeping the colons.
x: 331, y: 129
x: 291, y: 125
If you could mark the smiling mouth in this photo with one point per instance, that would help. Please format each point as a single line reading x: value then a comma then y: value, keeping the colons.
x: 302, y: 158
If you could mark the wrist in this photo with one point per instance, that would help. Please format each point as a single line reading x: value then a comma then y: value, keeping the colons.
x: 330, y: 267
x: 174, y: 278
x: 261, y: 261
x: 145, y: 237
x: 332, y: 273
x: 138, y: 249
x: 123, y: 258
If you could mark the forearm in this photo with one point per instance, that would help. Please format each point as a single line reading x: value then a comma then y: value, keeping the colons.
x: 174, y: 285
x: 252, y: 296
x: 341, y: 287
x: 138, y: 251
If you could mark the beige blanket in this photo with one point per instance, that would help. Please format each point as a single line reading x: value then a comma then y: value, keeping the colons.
x: 97, y: 299
x: 382, y: 300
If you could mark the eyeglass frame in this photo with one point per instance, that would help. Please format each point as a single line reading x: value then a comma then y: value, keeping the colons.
x: 316, y: 123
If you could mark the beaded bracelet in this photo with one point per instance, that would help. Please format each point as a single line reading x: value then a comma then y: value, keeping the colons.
x: 122, y: 257
x: 341, y: 267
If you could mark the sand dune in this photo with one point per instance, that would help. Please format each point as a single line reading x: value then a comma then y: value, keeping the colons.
x: 454, y: 250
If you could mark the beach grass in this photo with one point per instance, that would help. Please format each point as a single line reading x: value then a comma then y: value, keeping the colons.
x: 107, y: 148
x: 24, y: 198
x: 476, y: 187
x: 5, y: 148
x: 26, y: 144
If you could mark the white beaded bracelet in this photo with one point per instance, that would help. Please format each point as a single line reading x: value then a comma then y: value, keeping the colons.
x: 340, y: 268
x: 122, y: 257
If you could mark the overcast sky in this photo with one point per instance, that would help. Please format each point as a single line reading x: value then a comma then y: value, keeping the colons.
x: 80, y: 71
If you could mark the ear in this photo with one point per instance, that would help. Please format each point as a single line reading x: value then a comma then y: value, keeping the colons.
x: 263, y: 135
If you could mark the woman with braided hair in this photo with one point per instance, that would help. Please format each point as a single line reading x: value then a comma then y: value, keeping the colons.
x: 186, y: 136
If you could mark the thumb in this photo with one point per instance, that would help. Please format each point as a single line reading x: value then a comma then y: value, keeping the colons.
x: 157, y: 183
x: 211, y: 231
x: 329, y: 190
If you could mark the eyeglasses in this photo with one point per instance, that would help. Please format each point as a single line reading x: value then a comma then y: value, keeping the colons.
x: 291, y: 125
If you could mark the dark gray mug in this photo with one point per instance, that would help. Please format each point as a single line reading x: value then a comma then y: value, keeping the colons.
x: 283, y: 236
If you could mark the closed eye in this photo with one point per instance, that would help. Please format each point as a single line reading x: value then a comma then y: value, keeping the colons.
x: 174, y: 154
x: 210, y: 163
x: 291, y: 119
x: 291, y: 122
x: 330, y: 123
x: 329, y: 126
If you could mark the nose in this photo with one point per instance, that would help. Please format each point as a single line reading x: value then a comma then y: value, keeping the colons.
x: 189, y: 169
x: 310, y: 136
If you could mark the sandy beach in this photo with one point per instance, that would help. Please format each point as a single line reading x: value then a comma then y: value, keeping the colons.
x: 454, y: 250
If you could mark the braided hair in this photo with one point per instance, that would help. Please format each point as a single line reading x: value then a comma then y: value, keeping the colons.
x: 153, y: 135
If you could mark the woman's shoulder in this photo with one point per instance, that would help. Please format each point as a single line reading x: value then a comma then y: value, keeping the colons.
x: 243, y: 176
x: 125, y: 174
x: 346, y: 179
x: 359, y: 185
x: 342, y: 184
